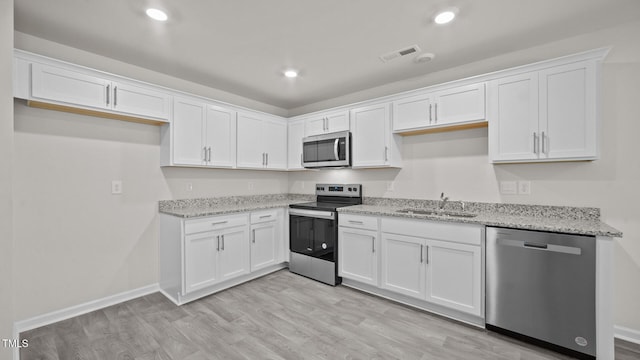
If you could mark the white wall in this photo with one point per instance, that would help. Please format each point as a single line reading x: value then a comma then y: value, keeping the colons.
x: 457, y: 162
x: 6, y: 170
x: 74, y: 241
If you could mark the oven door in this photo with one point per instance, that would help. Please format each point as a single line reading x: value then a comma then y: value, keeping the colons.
x: 313, y: 233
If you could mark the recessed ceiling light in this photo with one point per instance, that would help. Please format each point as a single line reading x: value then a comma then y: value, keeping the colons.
x: 291, y: 74
x: 157, y: 14
x: 445, y: 17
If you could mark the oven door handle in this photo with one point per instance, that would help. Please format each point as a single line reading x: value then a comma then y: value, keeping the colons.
x: 329, y: 215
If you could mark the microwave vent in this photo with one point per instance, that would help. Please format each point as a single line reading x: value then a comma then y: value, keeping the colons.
x: 399, y: 53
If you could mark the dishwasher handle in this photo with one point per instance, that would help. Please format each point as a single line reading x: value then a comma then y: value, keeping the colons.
x: 541, y: 247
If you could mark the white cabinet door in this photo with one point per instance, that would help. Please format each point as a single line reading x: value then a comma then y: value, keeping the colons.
x: 140, y: 101
x: 371, y: 131
x: 315, y: 126
x: 358, y: 255
x: 413, y: 112
x: 264, y: 245
x: 513, y: 118
x: 454, y: 276
x: 274, y: 135
x: 200, y: 261
x: 294, y: 153
x: 70, y: 87
x: 250, y: 153
x: 327, y: 123
x: 234, y: 253
x: 568, y: 111
x: 403, y: 265
x: 220, y: 136
x: 338, y: 121
x: 188, y: 139
x: 459, y: 104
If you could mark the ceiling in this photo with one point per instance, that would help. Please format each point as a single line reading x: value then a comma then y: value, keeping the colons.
x: 243, y: 46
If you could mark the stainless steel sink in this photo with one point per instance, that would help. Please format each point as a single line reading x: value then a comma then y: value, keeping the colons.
x: 437, y: 212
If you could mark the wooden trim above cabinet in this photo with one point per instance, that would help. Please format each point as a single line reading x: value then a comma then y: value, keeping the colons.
x: 102, y: 114
x: 445, y: 128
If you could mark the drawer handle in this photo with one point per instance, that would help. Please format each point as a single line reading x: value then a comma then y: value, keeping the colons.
x: 219, y: 223
x: 265, y: 216
x: 356, y: 222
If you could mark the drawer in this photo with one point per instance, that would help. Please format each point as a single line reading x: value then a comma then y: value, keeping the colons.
x: 264, y: 216
x: 358, y: 221
x: 462, y: 233
x: 214, y: 223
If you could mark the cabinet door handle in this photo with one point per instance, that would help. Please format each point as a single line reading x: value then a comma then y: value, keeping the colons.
x: 386, y: 153
x: 436, y: 115
x: 373, y: 244
x: 115, y: 96
x: 267, y: 157
x: 108, y: 91
x: 421, y: 253
x: 265, y: 216
x: 535, y: 143
x: 253, y: 237
x: 327, y: 120
x: 542, y: 140
x: 204, y: 153
x: 219, y: 223
x: 301, y: 165
x: 356, y: 222
x: 209, y: 154
x: 426, y: 249
x: 222, y: 248
x: 218, y: 247
x: 430, y: 114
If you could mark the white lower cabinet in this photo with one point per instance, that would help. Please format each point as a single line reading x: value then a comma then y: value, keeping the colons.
x: 358, y: 255
x: 266, y: 233
x: 438, y: 264
x: 403, y: 265
x: 203, y: 255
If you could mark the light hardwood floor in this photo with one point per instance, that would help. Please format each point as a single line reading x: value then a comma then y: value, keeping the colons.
x: 279, y: 316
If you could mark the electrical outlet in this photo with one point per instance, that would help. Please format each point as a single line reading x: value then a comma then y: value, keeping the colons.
x: 116, y: 187
x: 390, y: 185
x: 524, y: 187
x: 189, y: 186
x: 250, y: 185
x: 508, y: 187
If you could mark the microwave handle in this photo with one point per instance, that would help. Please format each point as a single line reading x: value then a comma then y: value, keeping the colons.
x: 335, y: 149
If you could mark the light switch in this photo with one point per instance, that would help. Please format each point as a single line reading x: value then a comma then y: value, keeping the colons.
x: 508, y: 187
x: 116, y: 187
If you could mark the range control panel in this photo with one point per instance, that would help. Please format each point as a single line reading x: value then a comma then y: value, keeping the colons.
x: 347, y: 190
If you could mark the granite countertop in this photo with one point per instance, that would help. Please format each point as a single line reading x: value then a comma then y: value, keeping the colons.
x: 192, y: 208
x: 563, y: 219
x: 583, y: 221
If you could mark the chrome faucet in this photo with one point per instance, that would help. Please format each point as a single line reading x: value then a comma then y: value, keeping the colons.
x: 443, y: 201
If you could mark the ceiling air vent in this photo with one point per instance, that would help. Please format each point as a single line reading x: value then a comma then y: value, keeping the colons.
x: 399, y: 53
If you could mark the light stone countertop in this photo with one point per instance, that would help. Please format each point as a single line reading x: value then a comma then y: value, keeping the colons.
x: 581, y: 226
x: 563, y: 219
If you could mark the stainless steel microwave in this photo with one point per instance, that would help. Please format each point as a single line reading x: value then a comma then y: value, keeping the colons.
x: 327, y: 150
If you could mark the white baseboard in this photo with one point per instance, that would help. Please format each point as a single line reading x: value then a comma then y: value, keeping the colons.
x: 627, y: 334
x: 73, y: 311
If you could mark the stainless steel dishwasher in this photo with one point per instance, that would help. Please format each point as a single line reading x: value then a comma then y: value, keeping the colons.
x: 540, y: 287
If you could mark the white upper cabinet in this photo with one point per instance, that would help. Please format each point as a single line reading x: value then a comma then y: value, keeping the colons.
x: 262, y: 142
x: 138, y: 100
x: 373, y: 144
x: 294, y: 151
x: 327, y: 123
x: 220, y: 136
x: 203, y: 134
x: 83, y: 89
x: 432, y: 109
x: 547, y: 115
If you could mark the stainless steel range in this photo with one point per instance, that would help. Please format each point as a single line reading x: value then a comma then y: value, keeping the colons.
x: 313, y: 231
